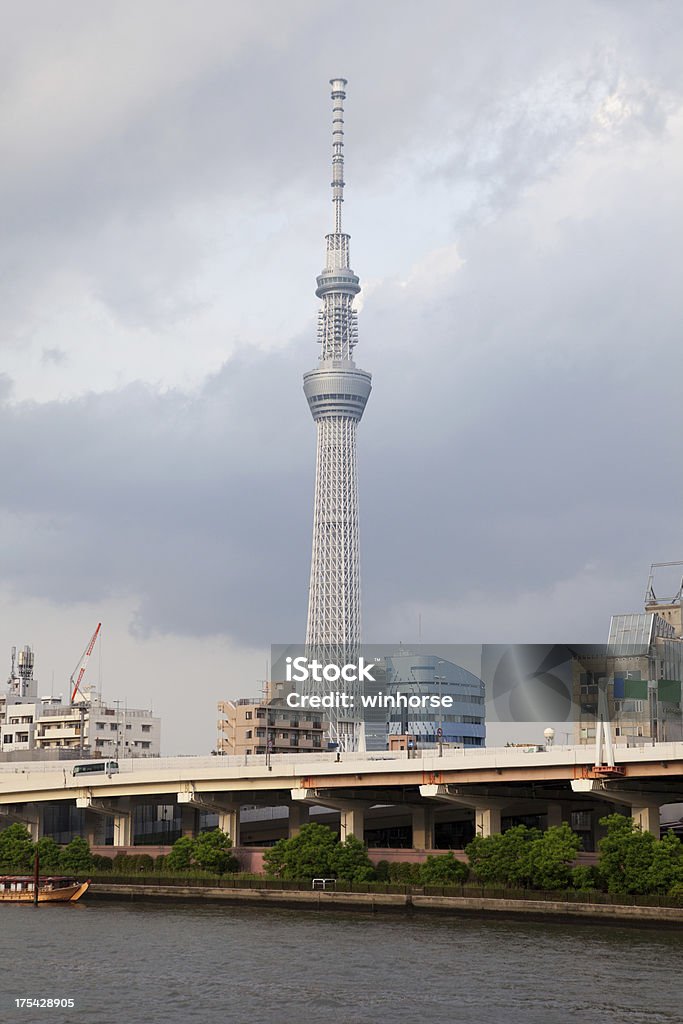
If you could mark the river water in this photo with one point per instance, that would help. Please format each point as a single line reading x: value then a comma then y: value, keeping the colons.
x: 177, y: 963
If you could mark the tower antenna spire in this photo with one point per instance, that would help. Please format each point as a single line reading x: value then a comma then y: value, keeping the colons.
x: 338, y: 97
x: 337, y: 392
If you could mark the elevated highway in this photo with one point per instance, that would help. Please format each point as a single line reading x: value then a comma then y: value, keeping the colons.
x: 486, y: 783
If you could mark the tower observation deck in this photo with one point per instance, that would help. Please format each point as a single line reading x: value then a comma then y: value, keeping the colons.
x: 337, y: 392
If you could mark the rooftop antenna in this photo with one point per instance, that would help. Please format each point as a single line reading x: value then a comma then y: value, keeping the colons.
x: 338, y: 97
x: 650, y: 596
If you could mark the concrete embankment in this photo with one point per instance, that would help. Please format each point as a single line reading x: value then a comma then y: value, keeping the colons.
x: 396, y: 902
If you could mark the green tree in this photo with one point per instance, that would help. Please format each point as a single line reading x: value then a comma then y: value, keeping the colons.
x: 405, y: 872
x: 666, y: 869
x: 76, y: 857
x: 676, y: 892
x: 274, y: 859
x: 16, y: 849
x: 443, y: 869
x: 503, y: 859
x: 551, y: 857
x: 211, y: 852
x: 382, y: 870
x: 306, y: 855
x: 349, y: 860
x: 49, y: 854
x: 626, y: 855
x: 180, y: 857
x: 583, y: 877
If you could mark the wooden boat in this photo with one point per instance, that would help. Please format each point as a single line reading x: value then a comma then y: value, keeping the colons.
x: 51, y: 889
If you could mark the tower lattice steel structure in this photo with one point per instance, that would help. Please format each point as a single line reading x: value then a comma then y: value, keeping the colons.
x: 337, y: 392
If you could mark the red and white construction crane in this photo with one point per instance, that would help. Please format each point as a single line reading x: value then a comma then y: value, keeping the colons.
x: 79, y: 671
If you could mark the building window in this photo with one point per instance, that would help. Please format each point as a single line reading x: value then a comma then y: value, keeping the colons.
x: 248, y: 715
x: 113, y: 727
x: 145, y: 728
x: 248, y: 734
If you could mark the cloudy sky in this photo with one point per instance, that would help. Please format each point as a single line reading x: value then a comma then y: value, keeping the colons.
x: 516, y: 214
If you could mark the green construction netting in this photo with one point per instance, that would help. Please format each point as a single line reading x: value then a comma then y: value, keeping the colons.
x: 669, y: 691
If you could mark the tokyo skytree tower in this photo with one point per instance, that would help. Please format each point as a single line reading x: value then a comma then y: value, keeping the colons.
x: 337, y: 392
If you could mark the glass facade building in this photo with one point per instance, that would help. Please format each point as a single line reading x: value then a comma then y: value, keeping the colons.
x: 463, y: 724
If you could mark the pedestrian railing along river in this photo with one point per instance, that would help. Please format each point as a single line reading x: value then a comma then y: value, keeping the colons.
x: 463, y: 891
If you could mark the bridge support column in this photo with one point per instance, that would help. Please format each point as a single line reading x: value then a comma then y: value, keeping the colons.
x: 30, y: 815
x: 646, y: 816
x: 487, y: 809
x: 423, y: 827
x: 188, y: 821
x: 228, y: 812
x: 487, y: 821
x: 298, y: 816
x: 352, y: 823
x: 554, y: 817
x: 123, y: 825
x: 229, y: 821
x: 91, y: 828
x: 120, y: 810
x: 644, y: 806
x: 351, y: 812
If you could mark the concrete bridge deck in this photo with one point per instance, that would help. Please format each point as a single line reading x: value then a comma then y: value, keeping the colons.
x: 483, y: 780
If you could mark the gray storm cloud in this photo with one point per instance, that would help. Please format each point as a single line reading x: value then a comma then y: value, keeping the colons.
x: 525, y: 417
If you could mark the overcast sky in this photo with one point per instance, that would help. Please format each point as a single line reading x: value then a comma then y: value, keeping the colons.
x: 515, y: 205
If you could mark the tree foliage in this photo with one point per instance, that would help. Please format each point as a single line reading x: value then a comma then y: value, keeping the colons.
x: 306, y: 855
x: 525, y: 857
x: 16, y: 849
x: 180, y: 857
x: 443, y: 869
x: 633, y: 861
x: 405, y: 872
x: 551, y: 857
x: 584, y: 877
x: 50, y: 855
x: 666, y: 870
x: 76, y: 857
x: 503, y: 859
x: 211, y: 852
x: 626, y: 855
x: 349, y: 861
